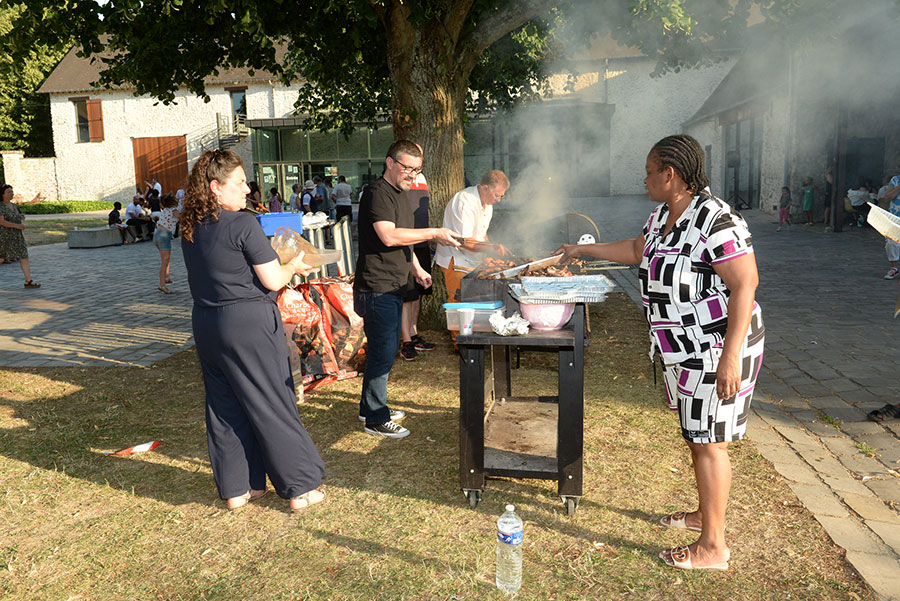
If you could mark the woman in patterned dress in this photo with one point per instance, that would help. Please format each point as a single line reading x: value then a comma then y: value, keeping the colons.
x: 698, y: 284
x: 12, y: 238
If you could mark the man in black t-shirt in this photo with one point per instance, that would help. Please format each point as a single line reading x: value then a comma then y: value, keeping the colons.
x: 385, y: 269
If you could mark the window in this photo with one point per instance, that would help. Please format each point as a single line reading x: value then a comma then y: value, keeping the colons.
x: 88, y: 120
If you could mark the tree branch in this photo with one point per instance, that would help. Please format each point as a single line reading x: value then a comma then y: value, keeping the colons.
x: 456, y: 18
x: 379, y: 10
x: 512, y: 15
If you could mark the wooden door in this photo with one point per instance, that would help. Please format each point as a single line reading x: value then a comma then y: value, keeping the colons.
x: 164, y: 158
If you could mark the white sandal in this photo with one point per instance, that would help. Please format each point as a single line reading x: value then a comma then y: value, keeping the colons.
x: 680, y: 557
x: 299, y: 503
x: 676, y: 520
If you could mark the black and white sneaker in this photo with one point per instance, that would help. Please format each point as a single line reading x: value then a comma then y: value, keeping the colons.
x: 396, y: 415
x: 421, y: 344
x: 387, y: 430
x: 408, y: 351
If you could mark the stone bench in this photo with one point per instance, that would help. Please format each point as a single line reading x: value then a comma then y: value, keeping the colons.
x: 93, y: 237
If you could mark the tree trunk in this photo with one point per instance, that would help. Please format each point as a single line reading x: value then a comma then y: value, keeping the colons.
x: 429, y: 95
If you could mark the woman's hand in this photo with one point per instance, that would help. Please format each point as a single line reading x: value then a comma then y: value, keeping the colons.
x: 299, y: 266
x: 728, y: 377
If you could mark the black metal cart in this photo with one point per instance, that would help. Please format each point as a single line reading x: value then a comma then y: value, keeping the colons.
x: 521, y: 436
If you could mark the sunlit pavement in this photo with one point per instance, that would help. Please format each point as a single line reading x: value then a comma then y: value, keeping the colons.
x: 96, y: 306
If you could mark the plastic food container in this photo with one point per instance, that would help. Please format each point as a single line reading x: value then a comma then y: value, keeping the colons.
x: 270, y: 222
x: 550, y: 316
x: 483, y: 312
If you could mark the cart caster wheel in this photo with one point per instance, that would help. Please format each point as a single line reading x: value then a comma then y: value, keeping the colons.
x: 571, y: 504
x: 474, y: 497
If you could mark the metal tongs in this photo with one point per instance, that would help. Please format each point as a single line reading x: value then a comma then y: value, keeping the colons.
x: 486, y: 247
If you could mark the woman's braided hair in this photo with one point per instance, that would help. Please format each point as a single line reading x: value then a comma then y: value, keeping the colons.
x: 684, y: 154
x: 199, y: 200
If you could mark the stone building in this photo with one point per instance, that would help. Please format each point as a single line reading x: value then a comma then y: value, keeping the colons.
x: 790, y: 108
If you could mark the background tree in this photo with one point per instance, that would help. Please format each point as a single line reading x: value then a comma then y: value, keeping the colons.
x: 422, y: 64
x: 25, y: 114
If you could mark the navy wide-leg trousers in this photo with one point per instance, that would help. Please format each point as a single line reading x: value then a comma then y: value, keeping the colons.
x: 252, y: 424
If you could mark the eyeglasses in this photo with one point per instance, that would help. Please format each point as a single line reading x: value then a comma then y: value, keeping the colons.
x: 498, y: 196
x: 407, y: 168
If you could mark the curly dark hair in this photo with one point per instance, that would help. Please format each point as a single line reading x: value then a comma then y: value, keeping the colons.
x: 684, y: 154
x: 199, y: 200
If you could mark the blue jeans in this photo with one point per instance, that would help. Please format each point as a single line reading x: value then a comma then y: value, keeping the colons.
x: 381, y: 322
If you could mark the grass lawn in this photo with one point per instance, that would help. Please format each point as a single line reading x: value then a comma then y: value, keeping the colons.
x: 79, y: 525
x: 49, y: 231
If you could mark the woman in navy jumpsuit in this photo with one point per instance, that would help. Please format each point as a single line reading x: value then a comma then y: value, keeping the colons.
x: 252, y: 424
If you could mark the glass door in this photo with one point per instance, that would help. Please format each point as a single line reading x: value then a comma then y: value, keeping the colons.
x: 268, y: 180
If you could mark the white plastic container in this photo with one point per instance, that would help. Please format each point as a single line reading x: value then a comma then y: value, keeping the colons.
x: 886, y: 223
x: 483, y: 312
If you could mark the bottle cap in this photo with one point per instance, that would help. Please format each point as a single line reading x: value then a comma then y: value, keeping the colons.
x: 510, y: 508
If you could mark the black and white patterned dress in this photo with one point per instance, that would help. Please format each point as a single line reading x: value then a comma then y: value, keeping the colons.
x: 686, y: 306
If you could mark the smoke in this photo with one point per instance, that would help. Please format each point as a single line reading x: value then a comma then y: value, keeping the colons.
x: 793, y: 76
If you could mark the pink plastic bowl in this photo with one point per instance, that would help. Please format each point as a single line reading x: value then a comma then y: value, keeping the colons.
x: 548, y: 317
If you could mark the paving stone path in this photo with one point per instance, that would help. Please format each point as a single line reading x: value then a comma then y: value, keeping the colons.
x: 831, y: 355
x: 96, y: 306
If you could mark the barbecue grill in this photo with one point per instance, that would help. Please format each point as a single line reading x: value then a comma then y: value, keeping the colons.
x: 502, y: 434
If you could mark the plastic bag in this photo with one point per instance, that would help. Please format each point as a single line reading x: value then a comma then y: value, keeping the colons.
x: 288, y: 244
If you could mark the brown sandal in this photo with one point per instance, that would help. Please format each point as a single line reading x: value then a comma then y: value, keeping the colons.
x: 32, y: 284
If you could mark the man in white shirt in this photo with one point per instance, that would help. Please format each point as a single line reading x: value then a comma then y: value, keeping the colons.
x: 469, y: 213
x: 135, y: 217
x: 858, y: 199
x: 342, y: 192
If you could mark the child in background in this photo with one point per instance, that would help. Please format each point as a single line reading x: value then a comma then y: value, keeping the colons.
x: 162, y: 237
x: 274, y: 201
x: 808, y: 199
x: 784, y: 207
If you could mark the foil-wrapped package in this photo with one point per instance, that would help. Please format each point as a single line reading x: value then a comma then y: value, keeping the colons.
x: 514, y: 325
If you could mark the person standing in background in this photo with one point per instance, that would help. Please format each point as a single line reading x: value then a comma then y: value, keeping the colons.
x: 12, y: 235
x: 342, y: 202
x: 410, y: 341
x: 274, y: 201
x: 294, y: 200
x: 808, y: 200
x: 784, y: 208
x: 318, y: 194
x: 328, y: 207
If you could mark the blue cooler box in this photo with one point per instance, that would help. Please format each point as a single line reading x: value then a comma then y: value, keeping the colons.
x: 270, y: 222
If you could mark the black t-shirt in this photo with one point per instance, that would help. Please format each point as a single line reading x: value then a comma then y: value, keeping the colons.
x: 381, y: 268
x: 219, y: 261
x: 114, y: 217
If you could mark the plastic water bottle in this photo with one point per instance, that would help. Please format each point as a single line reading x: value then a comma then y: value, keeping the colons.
x: 509, y: 551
